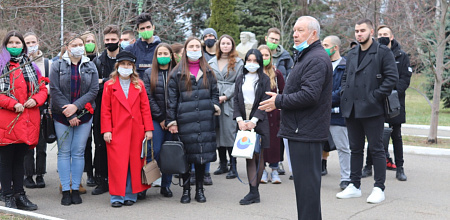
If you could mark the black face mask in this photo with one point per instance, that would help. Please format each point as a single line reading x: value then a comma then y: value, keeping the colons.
x: 210, y: 42
x: 112, y: 46
x: 384, y: 40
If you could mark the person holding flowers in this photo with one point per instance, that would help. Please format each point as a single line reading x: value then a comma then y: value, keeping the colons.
x: 73, y: 84
x: 125, y: 122
x: 22, y: 91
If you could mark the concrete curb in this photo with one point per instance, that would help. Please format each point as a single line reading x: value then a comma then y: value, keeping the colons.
x: 424, y: 150
x: 425, y: 127
x: 26, y: 214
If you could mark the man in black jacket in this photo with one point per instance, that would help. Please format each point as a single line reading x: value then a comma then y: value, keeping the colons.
x: 105, y: 66
x: 385, y: 37
x: 305, y: 114
x: 370, y: 76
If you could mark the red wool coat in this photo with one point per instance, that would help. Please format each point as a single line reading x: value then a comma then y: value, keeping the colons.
x: 26, y: 129
x: 127, y: 120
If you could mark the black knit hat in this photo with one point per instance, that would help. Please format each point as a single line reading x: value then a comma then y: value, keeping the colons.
x: 125, y: 55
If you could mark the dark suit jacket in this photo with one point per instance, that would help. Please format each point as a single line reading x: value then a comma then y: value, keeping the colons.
x: 365, y: 86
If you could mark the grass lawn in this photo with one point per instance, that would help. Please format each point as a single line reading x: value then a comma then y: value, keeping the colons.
x: 417, y: 109
x: 422, y: 141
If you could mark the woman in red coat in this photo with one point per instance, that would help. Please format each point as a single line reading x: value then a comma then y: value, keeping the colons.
x: 126, y: 120
x: 21, y: 94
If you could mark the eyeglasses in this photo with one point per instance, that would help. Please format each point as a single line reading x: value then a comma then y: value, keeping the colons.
x: 273, y: 39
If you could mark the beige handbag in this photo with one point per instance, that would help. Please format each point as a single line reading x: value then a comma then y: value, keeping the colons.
x: 150, y: 171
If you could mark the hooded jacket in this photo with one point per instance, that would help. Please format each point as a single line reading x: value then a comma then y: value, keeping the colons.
x: 336, y: 118
x: 144, y: 53
x: 282, y: 60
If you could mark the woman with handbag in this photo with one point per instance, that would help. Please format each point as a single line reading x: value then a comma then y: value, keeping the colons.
x: 272, y: 155
x: 126, y: 121
x: 155, y: 80
x: 250, y: 90
x: 193, y: 100
x: 227, y: 66
x: 73, y: 85
x: 21, y: 94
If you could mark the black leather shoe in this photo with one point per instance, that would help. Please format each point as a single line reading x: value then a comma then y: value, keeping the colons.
x: 400, y: 175
x: 367, y: 171
x: 291, y: 177
x: 344, y: 184
x: 40, y: 183
x: 142, y: 195
x: 186, y: 197
x: 200, y: 195
x: 90, y: 181
x: 207, y: 180
x: 102, y: 186
x: 116, y: 204
x: 128, y: 203
x: 24, y: 203
x: 76, y: 198
x: 166, y: 192
x: 66, y: 199
x: 221, y: 170
x: 10, y: 202
x: 29, y: 182
x: 231, y: 174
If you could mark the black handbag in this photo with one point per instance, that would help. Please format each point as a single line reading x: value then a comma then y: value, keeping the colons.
x: 173, y: 158
x: 329, y: 145
x: 48, y: 127
x: 392, y: 105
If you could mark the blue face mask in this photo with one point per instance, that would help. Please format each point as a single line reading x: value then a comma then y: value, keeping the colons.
x: 124, y: 44
x: 303, y: 45
x: 194, y: 55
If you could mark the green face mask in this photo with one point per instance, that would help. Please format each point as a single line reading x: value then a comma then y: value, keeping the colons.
x: 89, y: 47
x: 163, y: 60
x: 266, y: 62
x: 146, y: 34
x: 14, y: 51
x: 328, y: 50
x: 178, y: 59
x: 271, y: 46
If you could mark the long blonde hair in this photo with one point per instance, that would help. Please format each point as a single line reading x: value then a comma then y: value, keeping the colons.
x: 269, y: 70
x: 134, y: 77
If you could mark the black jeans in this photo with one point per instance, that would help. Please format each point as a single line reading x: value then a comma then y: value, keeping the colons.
x: 306, y: 159
x: 358, y: 130
x: 397, y: 142
x: 100, y: 154
x: 41, y: 158
x: 11, y: 168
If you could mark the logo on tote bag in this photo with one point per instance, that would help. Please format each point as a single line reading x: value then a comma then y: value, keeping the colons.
x: 244, y: 143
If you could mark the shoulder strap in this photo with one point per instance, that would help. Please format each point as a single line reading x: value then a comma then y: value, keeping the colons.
x: 377, y: 63
x: 46, y: 67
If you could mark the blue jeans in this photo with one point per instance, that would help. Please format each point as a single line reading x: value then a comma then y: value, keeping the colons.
x: 129, y: 195
x: 71, y: 153
x: 159, y: 136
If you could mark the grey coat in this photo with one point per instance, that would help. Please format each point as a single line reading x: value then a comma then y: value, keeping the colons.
x: 226, y: 133
x: 60, y: 77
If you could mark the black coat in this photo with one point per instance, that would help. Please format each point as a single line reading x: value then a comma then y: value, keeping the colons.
x: 336, y: 118
x: 104, y: 71
x: 404, y: 74
x: 157, y: 99
x: 306, y: 100
x: 262, y: 127
x: 194, y: 114
x: 362, y: 91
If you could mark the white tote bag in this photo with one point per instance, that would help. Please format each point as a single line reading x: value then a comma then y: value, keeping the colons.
x: 244, y: 144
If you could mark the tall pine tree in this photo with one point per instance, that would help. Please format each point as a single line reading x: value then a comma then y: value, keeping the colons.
x: 223, y: 19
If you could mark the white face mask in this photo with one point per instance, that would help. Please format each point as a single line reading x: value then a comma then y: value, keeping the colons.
x: 33, y: 49
x: 252, y: 67
x: 77, y: 52
x: 194, y: 55
x: 124, y: 72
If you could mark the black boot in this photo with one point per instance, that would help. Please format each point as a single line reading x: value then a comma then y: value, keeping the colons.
x: 142, y: 195
x: 324, y: 167
x: 186, y: 197
x: 232, y: 173
x: 102, y: 186
x: 223, y: 168
x: 76, y: 198
x: 66, y: 199
x: 199, y: 192
x: 251, y: 197
x: 24, y: 203
x: 29, y: 182
x: 10, y: 202
x: 367, y: 171
x: 40, y: 183
x: 90, y: 181
x: 400, y: 175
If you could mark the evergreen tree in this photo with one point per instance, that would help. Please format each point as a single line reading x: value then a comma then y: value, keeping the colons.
x: 223, y: 19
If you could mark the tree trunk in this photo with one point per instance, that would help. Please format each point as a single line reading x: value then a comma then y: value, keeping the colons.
x: 432, y: 136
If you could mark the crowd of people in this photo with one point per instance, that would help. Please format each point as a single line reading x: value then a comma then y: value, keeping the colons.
x: 201, y: 93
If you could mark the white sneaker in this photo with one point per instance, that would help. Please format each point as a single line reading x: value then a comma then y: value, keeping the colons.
x: 264, y: 178
x: 274, y: 177
x: 350, y: 192
x: 157, y: 183
x: 376, y: 196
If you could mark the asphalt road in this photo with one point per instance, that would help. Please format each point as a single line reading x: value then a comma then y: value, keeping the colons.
x: 426, y: 195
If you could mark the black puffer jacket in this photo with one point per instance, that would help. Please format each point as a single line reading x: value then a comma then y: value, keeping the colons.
x: 404, y: 78
x: 193, y: 112
x: 157, y: 99
x: 306, y: 100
